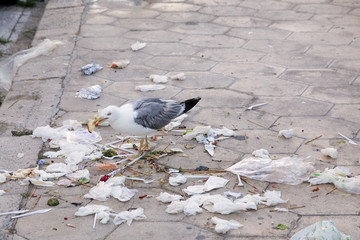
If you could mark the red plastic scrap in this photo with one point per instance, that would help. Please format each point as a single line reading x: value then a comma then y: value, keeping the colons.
x: 315, y: 189
x: 143, y: 196
x: 104, y: 178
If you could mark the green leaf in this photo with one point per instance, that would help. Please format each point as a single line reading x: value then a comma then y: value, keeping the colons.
x: 281, y: 226
x: 84, y: 180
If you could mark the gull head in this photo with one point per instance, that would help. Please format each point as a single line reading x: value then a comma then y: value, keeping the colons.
x: 109, y: 113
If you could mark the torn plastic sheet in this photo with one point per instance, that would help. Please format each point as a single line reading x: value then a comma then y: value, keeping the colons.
x: 272, y: 198
x: 179, y: 76
x: 212, y: 183
x: 331, y: 152
x: 177, y: 180
x: 175, y: 122
x: 149, y: 87
x: 122, y: 193
x: 167, y: 198
x: 120, y: 63
x: 75, y: 158
x: 40, y: 182
x: 138, y: 45
x: 289, y: 170
x: 61, y: 168
x: 286, y: 133
x: 90, y: 93
x: 129, y: 216
x: 339, y: 177
x: 10, y: 65
x: 232, y: 194
x: 23, y: 173
x: 192, y: 208
x: 75, y: 176
x: 222, y: 205
x: 321, y: 230
x: 91, y: 68
x: 100, y: 192
x: 159, y: 78
x: 223, y: 226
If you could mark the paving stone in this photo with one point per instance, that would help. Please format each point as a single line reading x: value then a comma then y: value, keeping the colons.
x: 213, y: 41
x: 269, y: 46
x: 215, y: 2
x: 117, y: 90
x: 320, y: 77
x: 180, y: 63
x: 337, y: 20
x: 281, y: 15
x: 321, y: 38
x: 352, y: 65
x: 158, y: 49
x: 355, y: 11
x: 227, y: 11
x: 80, y: 81
x: 105, y: 43
x: 257, y: 4
x: 347, y: 3
x: 242, y: 22
x: 203, y: 80
x: 349, y: 112
x: 63, y: 3
x: 315, y: 126
x: 322, y: 9
x: 246, y: 69
x: 348, y: 225
x: 98, y: 19
x: 338, y: 52
x: 294, y: 106
x: 98, y: 30
x: 140, y: 24
x: 174, y: 7
x: 343, y: 94
x: 155, y: 36
x: 31, y: 103
x: 302, y: 26
x: 259, y: 33
x: 296, y: 60
x: 199, y: 28
x: 230, y: 54
x: 268, y: 86
x: 346, y: 152
x: 233, y: 118
x: 132, y: 13
x: 183, y: 17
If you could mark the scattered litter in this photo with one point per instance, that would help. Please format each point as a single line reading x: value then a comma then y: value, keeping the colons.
x: 210, y: 139
x: 175, y: 122
x: 348, y: 139
x: 3, y: 177
x: 53, y: 202
x: 177, y: 180
x: 90, y: 68
x: 321, y: 230
x: 107, y: 166
x: 289, y: 170
x: 177, y: 150
x: 100, y: 192
x: 167, y: 198
x: 120, y: 64
x: 256, y: 105
x: 212, y: 183
x: 281, y: 226
x: 101, y: 212
x: 240, y: 184
x: 20, y: 155
x: 339, y: 177
x: 2, y: 192
x: 70, y: 225
x: 10, y: 65
x: 286, y: 133
x: 278, y: 209
x: 90, y: 93
x: 159, y: 78
x: 149, y: 87
x: 14, y: 212
x: 201, y: 168
x: 232, y: 194
x: 179, y: 76
x: 32, y: 213
x: 331, y: 152
x: 272, y: 198
x: 137, y: 46
x: 262, y: 153
x: 129, y: 216
x: 223, y: 226
x: 122, y: 193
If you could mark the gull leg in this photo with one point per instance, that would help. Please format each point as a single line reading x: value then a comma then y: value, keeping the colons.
x: 139, y: 151
x: 146, y: 147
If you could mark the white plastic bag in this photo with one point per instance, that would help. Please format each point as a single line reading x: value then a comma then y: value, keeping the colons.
x: 222, y: 226
x: 324, y: 230
x: 177, y: 180
x: 212, y: 183
x: 289, y: 170
x: 129, y: 216
x: 167, y: 198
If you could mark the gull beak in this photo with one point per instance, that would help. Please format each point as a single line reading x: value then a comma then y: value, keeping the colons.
x: 92, y: 123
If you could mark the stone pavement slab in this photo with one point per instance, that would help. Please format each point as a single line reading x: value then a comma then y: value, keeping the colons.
x: 298, y: 56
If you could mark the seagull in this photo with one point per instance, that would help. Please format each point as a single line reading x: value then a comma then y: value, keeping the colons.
x: 143, y: 116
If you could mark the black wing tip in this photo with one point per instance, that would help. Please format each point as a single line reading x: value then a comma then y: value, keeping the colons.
x: 190, y: 103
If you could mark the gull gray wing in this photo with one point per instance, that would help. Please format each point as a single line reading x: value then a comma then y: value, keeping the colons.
x: 156, y: 113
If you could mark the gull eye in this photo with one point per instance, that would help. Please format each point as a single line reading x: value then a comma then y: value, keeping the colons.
x: 108, y: 114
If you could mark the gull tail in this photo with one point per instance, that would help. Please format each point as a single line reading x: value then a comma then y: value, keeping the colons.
x: 190, y: 103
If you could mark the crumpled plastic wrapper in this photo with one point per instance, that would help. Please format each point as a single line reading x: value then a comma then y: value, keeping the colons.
x: 289, y: 170
x: 232, y: 194
x: 272, y: 198
x: 120, y: 64
x: 40, y: 182
x: 321, y: 230
x: 262, y: 153
x: 100, y: 192
x: 122, y: 193
x: 90, y: 93
x: 61, y: 168
x: 159, y: 78
x: 286, y: 133
x: 331, y: 152
x: 192, y: 208
x: 339, y: 177
x: 223, y: 226
x: 212, y: 183
x: 149, y: 87
x: 91, y: 68
x: 167, y: 198
x: 177, y: 180
x: 102, y: 212
x: 129, y: 216
x: 179, y: 76
x: 138, y: 45
x: 75, y: 176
